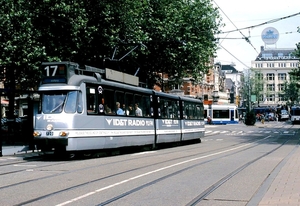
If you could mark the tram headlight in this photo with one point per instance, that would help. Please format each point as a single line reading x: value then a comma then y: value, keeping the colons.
x: 36, y: 134
x: 63, y: 134
x: 49, y: 127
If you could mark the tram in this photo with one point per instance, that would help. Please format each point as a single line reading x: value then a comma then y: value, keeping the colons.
x: 221, y: 114
x: 82, y: 110
x: 295, y: 114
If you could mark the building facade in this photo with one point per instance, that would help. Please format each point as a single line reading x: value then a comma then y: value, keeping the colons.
x: 272, y: 67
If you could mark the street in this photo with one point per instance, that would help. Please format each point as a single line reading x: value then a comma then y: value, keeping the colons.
x: 230, y: 167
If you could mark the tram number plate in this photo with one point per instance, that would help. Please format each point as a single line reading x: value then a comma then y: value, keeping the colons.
x: 49, y: 133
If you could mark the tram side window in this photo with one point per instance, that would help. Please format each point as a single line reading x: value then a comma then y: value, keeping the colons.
x: 163, y: 105
x: 138, y: 105
x: 129, y: 104
x: 199, y: 112
x: 221, y: 113
x: 172, y: 109
x: 120, y: 102
x: 91, y: 100
x: 168, y: 108
x: 296, y: 112
x: 189, y: 110
x: 109, y: 102
x: 194, y: 111
x: 145, y: 101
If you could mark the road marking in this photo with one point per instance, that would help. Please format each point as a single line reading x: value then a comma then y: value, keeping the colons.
x: 142, y: 153
x: 154, y: 171
x: 24, y: 165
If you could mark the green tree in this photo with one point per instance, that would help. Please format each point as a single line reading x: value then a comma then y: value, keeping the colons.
x: 173, y: 37
x: 257, y: 81
x: 292, y: 89
x: 181, y: 37
x: 19, y: 49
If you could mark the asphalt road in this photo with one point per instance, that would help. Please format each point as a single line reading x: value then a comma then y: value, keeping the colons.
x: 229, y: 167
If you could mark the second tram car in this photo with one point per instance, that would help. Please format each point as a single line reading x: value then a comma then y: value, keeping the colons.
x: 295, y: 114
x: 221, y: 114
x: 80, y: 111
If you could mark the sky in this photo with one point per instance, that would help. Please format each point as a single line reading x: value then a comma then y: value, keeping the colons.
x: 238, y: 14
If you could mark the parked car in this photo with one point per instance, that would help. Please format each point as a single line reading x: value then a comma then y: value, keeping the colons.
x: 284, y: 115
x: 270, y: 117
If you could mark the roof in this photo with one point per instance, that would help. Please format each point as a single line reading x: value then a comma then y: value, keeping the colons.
x: 229, y: 69
x: 276, y: 54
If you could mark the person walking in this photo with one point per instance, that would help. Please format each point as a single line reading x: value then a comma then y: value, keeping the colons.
x: 262, y: 119
x: 209, y: 120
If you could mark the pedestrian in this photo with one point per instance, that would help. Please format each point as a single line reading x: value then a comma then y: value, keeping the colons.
x: 262, y: 119
x: 208, y: 120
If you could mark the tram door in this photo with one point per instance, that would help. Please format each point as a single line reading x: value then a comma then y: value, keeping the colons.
x: 231, y: 115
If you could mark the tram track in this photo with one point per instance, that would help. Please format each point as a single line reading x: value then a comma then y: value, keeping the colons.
x: 98, y: 165
x: 209, y: 190
x: 200, y: 197
x: 148, y: 184
x: 46, y: 158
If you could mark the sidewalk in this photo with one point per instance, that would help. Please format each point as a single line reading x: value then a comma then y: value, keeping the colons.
x: 285, y: 185
x: 15, y: 150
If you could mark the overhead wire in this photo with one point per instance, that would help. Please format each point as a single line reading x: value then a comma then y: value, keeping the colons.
x: 257, y: 25
x: 246, y: 38
x: 235, y: 57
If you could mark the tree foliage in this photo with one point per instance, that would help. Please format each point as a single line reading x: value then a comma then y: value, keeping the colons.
x: 175, y: 37
x: 292, y: 89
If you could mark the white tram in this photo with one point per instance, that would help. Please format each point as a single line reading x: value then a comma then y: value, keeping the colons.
x: 221, y: 114
x: 295, y: 114
x: 81, y: 111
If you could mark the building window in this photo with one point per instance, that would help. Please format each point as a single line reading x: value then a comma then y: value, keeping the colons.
x: 280, y: 87
x: 280, y: 54
x: 294, y: 65
x: 281, y: 97
x: 281, y: 65
x: 271, y: 87
x: 270, y: 64
x: 258, y: 65
x: 270, y: 76
x: 267, y: 55
x: 271, y: 97
x: 282, y: 76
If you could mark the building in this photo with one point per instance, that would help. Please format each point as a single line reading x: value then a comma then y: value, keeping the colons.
x: 233, y: 82
x: 272, y: 66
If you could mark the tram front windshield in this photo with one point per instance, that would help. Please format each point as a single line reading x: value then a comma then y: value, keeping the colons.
x: 57, y: 102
